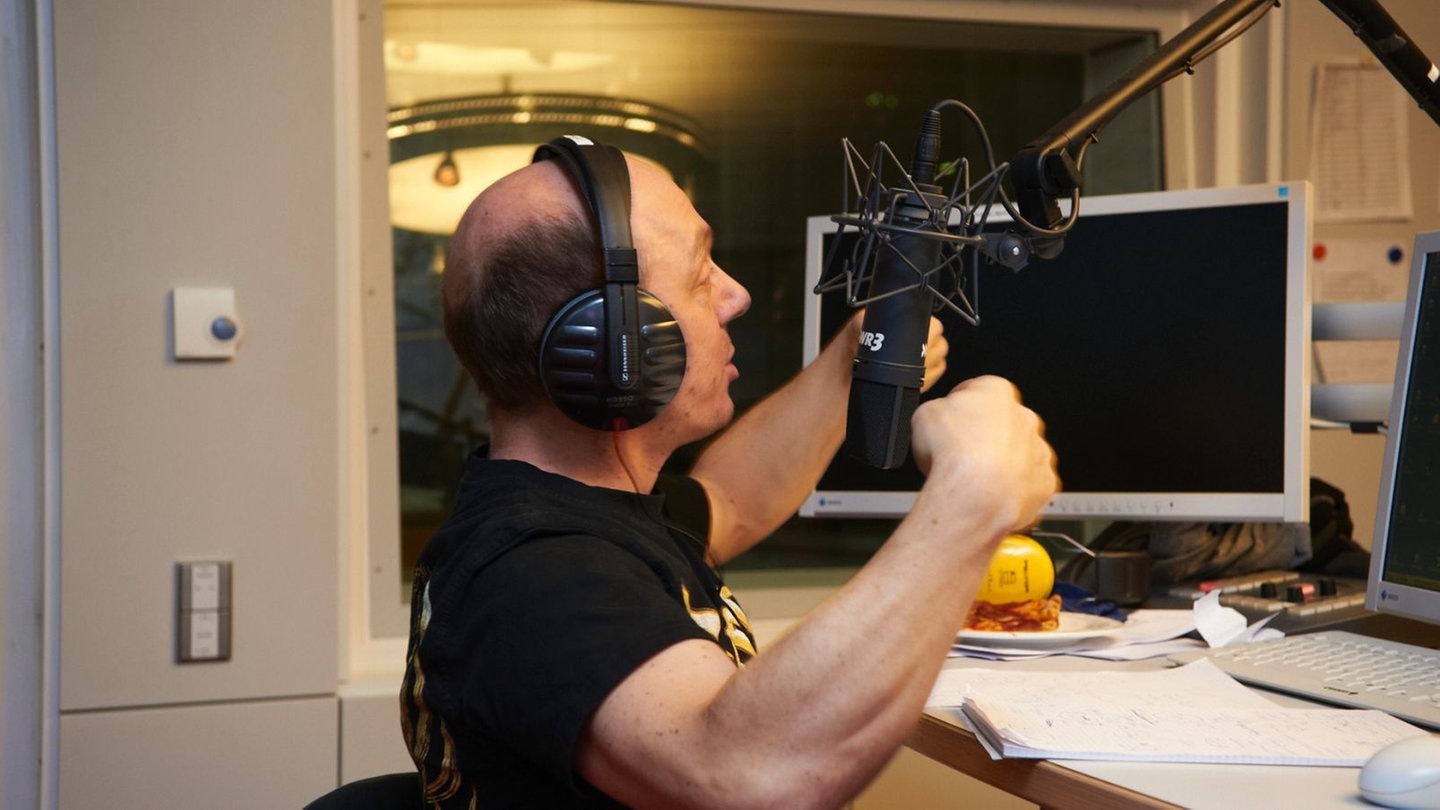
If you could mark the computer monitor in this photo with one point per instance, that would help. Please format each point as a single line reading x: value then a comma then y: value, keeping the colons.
x: 1405, y: 552
x: 1166, y: 347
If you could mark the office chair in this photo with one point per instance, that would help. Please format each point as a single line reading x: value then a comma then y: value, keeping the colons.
x: 391, y: 791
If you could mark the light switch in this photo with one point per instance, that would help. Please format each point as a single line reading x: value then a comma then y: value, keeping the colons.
x: 206, y: 326
x: 203, y: 611
x: 202, y: 636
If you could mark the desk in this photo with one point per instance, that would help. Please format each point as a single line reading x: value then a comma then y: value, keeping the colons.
x: 1087, y: 785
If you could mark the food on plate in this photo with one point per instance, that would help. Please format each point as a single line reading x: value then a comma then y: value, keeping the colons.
x: 1028, y: 616
x: 1015, y: 594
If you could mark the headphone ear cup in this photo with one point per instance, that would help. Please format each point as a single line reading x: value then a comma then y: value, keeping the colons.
x: 575, y: 366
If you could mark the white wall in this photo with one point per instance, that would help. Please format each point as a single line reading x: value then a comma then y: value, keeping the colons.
x: 196, y: 147
x: 221, y: 756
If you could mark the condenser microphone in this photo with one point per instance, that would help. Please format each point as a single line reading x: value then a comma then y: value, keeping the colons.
x: 890, y: 359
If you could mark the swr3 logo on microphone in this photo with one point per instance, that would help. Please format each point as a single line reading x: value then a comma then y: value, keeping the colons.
x: 874, y: 340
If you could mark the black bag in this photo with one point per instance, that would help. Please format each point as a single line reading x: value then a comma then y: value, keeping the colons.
x: 1334, y: 551
x: 1184, y: 552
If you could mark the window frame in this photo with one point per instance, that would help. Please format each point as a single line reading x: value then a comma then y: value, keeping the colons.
x: 1216, y: 130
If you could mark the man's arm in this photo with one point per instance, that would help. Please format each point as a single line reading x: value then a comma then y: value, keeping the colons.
x: 761, y: 468
x: 810, y: 721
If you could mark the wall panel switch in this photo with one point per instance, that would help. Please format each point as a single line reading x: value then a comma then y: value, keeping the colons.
x: 203, y: 611
x: 205, y: 323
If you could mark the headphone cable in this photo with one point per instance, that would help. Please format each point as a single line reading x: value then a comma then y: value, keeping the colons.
x: 615, y: 435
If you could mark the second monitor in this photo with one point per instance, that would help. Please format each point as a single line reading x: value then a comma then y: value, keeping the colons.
x: 1166, y: 347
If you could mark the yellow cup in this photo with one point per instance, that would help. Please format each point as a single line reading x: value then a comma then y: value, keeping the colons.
x: 1020, y: 570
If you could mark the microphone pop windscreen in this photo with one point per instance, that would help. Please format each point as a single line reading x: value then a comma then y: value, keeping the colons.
x: 878, y: 422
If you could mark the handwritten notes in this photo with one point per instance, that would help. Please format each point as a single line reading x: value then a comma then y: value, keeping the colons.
x: 1194, y: 713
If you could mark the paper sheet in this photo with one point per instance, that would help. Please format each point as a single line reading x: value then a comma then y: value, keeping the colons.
x: 1359, y: 145
x: 1222, y: 626
x: 1194, y: 713
x: 1200, y: 685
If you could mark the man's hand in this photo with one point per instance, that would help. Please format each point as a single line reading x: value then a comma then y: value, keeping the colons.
x: 980, y: 440
x: 936, y: 349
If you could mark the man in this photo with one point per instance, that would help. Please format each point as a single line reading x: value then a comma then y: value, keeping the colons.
x: 572, y: 644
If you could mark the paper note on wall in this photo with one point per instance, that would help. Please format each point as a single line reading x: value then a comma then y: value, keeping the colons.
x: 1359, y: 270
x: 1359, y: 145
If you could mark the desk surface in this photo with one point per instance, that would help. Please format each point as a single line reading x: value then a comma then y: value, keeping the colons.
x: 1085, y: 784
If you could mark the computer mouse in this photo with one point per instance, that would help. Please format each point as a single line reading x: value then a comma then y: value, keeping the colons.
x: 1404, y: 774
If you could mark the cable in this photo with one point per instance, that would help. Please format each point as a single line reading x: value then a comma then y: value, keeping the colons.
x: 635, y: 485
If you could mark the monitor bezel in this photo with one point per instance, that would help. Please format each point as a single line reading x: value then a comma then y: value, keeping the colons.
x: 1384, y: 595
x: 1290, y: 505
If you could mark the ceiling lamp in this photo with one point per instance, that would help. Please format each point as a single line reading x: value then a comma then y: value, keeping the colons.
x: 445, y: 152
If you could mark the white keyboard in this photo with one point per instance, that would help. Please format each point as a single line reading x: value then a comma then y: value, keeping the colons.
x: 1343, y: 668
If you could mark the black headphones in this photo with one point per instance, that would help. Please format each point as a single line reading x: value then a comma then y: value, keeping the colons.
x: 612, y: 357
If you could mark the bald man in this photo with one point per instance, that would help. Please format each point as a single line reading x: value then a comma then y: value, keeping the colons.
x: 572, y: 644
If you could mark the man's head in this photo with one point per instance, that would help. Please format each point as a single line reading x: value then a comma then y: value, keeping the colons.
x: 526, y: 246
x: 520, y: 251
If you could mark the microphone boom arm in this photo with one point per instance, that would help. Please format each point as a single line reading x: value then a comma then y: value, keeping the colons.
x: 1394, y: 49
x: 1043, y: 170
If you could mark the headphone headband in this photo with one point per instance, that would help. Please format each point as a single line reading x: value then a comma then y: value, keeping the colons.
x: 604, y: 179
x: 612, y: 357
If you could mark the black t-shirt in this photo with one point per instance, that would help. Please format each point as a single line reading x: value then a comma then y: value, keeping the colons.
x: 536, y: 598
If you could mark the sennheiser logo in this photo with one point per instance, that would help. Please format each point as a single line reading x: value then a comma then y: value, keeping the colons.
x: 625, y: 358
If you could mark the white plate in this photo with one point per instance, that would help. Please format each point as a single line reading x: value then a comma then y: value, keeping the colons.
x: 1074, y: 628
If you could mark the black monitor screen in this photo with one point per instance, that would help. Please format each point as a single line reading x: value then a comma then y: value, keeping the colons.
x: 1160, y: 348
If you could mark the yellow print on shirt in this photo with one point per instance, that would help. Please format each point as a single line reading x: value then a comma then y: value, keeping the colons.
x: 728, y: 626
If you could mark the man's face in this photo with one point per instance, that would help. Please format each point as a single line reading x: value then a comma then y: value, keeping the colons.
x: 673, y: 243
